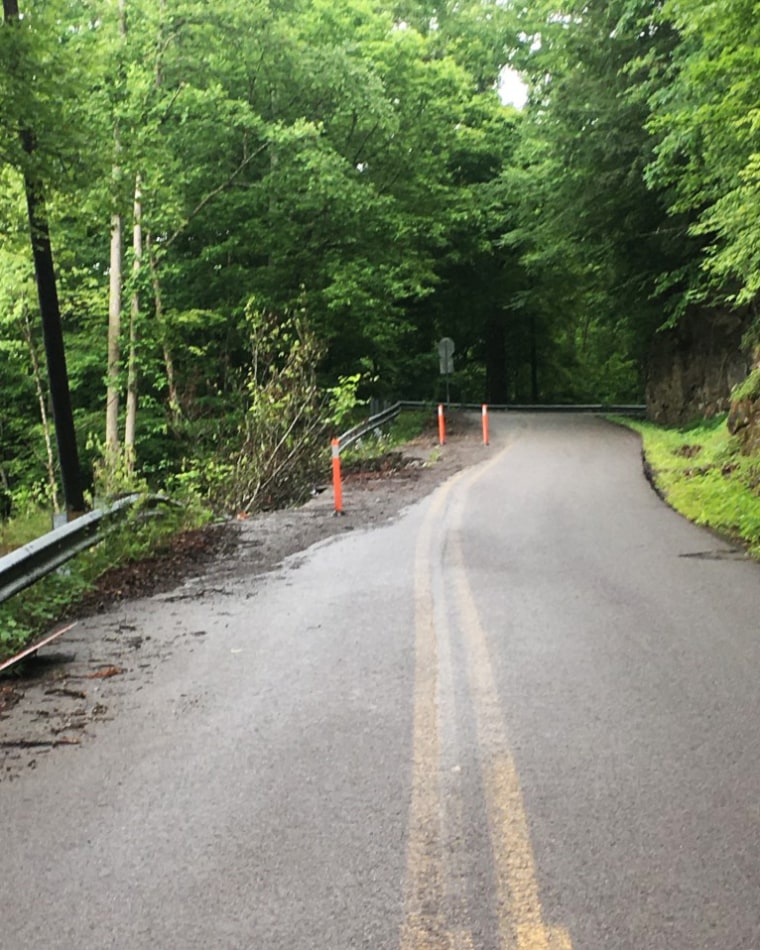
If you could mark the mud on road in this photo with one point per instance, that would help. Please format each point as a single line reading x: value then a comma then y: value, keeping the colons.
x: 116, y: 649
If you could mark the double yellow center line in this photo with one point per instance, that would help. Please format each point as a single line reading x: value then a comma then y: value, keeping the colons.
x: 435, y: 919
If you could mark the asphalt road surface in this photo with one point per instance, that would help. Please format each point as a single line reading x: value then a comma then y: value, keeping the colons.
x: 523, y: 715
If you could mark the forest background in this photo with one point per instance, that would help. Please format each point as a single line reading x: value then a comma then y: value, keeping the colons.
x: 262, y: 213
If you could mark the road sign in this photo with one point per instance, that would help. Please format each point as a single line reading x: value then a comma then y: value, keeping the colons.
x: 446, y: 354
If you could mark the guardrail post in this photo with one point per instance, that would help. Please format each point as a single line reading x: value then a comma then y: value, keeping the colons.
x: 337, y: 486
x: 485, y: 424
x: 441, y: 425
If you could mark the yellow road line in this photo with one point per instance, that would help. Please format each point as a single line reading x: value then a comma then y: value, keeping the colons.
x: 517, y: 900
x: 518, y: 904
x: 559, y: 939
x: 424, y: 927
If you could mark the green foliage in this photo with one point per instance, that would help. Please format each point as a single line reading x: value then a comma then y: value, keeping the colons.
x: 595, y: 236
x: 29, y: 521
x: 354, y: 161
x: 113, y: 475
x: 704, y: 118
x: 409, y: 424
x: 334, y: 156
x: 344, y: 401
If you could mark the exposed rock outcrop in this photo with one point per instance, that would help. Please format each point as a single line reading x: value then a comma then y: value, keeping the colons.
x: 693, y: 367
x: 744, y: 414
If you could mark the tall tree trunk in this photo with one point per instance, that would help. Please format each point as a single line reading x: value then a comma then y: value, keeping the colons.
x: 115, y: 287
x: 114, y: 332
x: 47, y: 293
x: 497, y: 391
x: 134, y: 317
x: 40, y: 388
x: 534, y: 385
x: 175, y: 411
x: 158, y: 308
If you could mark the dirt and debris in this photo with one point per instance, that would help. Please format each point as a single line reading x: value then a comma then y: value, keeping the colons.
x: 106, y: 673
x: 188, y: 552
x: 9, y: 696
x: 58, y: 697
x: 688, y: 451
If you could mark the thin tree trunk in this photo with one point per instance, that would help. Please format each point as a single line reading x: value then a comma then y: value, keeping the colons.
x: 114, y: 332
x: 38, y: 384
x: 153, y: 262
x: 115, y: 287
x: 175, y: 412
x: 134, y: 316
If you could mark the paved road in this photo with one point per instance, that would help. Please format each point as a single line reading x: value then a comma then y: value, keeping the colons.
x: 524, y: 715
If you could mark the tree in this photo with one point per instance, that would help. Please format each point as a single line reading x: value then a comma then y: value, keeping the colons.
x: 23, y: 68
x: 609, y: 263
x: 705, y: 119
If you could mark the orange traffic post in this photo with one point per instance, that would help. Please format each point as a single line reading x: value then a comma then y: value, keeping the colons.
x: 485, y: 424
x: 337, y: 486
x: 441, y: 425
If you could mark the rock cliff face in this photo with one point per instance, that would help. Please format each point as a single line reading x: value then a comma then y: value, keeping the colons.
x: 693, y: 367
x: 744, y: 415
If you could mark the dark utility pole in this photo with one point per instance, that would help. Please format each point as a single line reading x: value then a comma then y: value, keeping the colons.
x: 51, y: 316
x: 54, y: 349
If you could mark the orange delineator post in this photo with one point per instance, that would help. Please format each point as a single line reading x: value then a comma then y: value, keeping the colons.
x: 485, y: 424
x: 337, y: 486
x: 441, y: 425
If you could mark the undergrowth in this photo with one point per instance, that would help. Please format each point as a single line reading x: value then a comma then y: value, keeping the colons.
x: 17, y: 531
x: 701, y: 472
x: 407, y: 425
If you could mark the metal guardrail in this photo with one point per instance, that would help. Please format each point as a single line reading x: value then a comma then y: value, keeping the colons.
x: 381, y: 418
x: 601, y: 408
x: 369, y: 425
x: 28, y: 564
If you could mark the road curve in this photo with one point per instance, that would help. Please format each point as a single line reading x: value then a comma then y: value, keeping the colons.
x: 523, y: 716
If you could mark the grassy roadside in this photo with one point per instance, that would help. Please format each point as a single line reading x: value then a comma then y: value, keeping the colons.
x: 700, y: 471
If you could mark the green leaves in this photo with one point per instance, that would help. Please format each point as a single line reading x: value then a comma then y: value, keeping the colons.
x: 705, y: 122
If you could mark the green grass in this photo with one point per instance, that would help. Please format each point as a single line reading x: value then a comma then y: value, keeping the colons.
x: 410, y: 423
x: 25, y: 528
x: 701, y: 472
